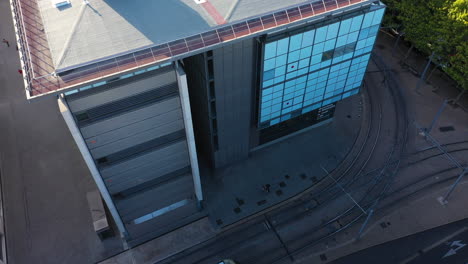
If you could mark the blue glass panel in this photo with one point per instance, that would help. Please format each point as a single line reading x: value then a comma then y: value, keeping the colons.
x: 367, y: 49
x: 293, y: 56
x: 356, y: 23
x: 308, y: 96
x: 288, y: 96
x: 340, y: 84
x: 290, y: 83
x: 298, y: 100
x: 325, y: 63
x: 279, y: 78
x: 316, y: 59
x: 361, y: 44
x: 266, y: 104
x: 295, y: 42
x: 267, y: 98
x: 341, y: 41
x: 306, y: 52
x: 358, y: 52
x: 373, y: 31
x: 333, y: 74
x: 318, y: 48
x: 378, y: 16
x: 321, y: 84
x: 330, y: 44
x: 287, y: 103
x: 281, y: 60
x: 370, y: 41
x: 345, y: 64
x: 283, y: 45
x: 285, y: 117
x: 277, y: 100
x: 319, y: 92
x: 333, y: 30
x: 355, y: 85
x: 292, y: 67
x: 343, y: 71
x: 291, y: 75
x: 367, y: 22
x: 265, y: 118
x: 300, y: 91
x: 278, y: 87
x: 308, y: 38
x: 320, y: 34
x: 269, y: 64
x: 275, y: 114
x: 298, y: 106
x: 324, y: 72
x: 345, y: 95
x: 276, y: 107
x: 336, y: 98
x: 345, y: 27
x: 268, y: 83
x: 266, y: 111
x: 280, y: 71
x: 363, y: 33
x: 300, y: 86
x: 269, y: 75
x: 342, y: 77
x: 365, y: 58
x: 313, y: 75
x: 337, y: 59
x: 302, y: 71
x: 301, y: 79
x: 270, y: 50
x: 314, y: 67
x: 348, y: 56
x: 352, y: 37
x: 275, y: 121
x: 267, y: 91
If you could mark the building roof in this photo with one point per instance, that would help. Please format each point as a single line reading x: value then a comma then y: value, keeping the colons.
x: 90, y: 39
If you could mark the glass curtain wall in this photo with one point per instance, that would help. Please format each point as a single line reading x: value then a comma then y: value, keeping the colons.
x: 306, y: 71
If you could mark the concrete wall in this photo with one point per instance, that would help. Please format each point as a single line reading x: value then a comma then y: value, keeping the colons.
x: 234, y: 77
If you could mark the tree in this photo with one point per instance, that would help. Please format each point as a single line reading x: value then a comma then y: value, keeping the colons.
x: 439, y: 26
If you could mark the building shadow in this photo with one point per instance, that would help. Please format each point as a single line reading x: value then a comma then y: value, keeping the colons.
x: 162, y: 21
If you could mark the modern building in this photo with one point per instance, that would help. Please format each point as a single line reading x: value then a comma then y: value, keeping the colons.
x: 152, y: 91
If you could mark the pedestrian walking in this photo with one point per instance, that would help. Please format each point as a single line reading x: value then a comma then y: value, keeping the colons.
x: 6, y: 42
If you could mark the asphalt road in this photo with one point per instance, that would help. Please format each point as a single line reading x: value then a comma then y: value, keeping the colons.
x: 447, y: 244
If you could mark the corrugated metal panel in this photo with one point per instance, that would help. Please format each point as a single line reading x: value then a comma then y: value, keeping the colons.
x: 132, y: 118
x: 135, y: 132
x: 234, y: 84
x: 131, y: 103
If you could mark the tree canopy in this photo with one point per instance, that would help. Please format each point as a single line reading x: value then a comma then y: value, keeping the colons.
x: 435, y: 25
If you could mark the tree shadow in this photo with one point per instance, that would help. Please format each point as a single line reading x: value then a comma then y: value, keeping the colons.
x: 161, y: 21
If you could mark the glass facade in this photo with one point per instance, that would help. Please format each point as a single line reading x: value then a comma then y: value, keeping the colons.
x: 305, y: 71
